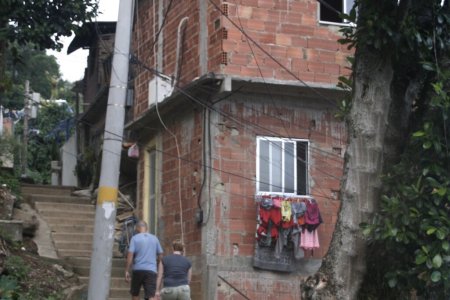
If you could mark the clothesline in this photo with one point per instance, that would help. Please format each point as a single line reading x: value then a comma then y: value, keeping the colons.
x: 286, y: 197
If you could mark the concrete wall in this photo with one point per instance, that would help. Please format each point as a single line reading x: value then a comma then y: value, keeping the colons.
x: 69, y: 162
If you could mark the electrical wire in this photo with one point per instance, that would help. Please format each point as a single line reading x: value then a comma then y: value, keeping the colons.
x: 165, y: 78
x: 180, y: 201
x: 182, y: 91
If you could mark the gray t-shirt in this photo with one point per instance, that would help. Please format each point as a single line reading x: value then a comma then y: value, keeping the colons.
x: 176, y: 269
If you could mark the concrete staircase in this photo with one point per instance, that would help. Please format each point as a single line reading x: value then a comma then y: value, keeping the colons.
x: 71, y: 223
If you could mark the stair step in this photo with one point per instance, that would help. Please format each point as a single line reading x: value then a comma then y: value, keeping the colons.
x: 120, y: 292
x: 84, y: 270
x: 114, y: 286
x: 68, y: 245
x: 60, y: 199
x: 86, y: 262
x: 61, y: 221
x: 82, y: 253
x: 117, y: 281
x: 72, y: 237
x: 69, y: 213
x: 73, y: 228
x: 34, y: 189
x: 78, y: 253
x: 69, y: 207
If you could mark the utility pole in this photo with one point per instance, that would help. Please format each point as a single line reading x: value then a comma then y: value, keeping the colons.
x: 105, y: 215
x: 26, y: 110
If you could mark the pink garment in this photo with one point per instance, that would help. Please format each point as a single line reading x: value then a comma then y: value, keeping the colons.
x: 309, y: 240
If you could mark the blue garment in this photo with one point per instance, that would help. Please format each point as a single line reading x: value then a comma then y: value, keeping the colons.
x: 146, y: 248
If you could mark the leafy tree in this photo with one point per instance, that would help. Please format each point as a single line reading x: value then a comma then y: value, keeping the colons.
x: 40, y: 23
x: 27, y: 63
x: 398, y: 123
x: 45, y: 139
x: 43, y: 22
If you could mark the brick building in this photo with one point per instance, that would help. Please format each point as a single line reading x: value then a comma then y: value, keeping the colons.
x: 98, y: 38
x: 247, y: 80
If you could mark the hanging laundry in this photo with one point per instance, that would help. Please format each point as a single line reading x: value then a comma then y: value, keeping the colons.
x: 286, y: 212
x: 298, y: 210
x: 312, y: 215
x: 309, y: 240
x: 295, y: 238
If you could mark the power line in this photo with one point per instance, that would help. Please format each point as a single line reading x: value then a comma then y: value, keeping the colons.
x: 164, y: 77
x: 220, y: 170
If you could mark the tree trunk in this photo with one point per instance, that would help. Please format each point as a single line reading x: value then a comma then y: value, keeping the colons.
x: 378, y: 119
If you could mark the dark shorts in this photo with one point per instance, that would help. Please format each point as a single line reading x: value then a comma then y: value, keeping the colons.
x: 143, y: 278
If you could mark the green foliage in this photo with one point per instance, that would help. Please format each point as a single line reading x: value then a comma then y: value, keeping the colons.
x: 27, y: 63
x: 16, y: 267
x: 8, y: 288
x: 18, y: 285
x: 409, y: 236
x: 9, y: 149
x: 43, y: 147
x: 412, y: 230
x: 43, y: 22
x: 345, y: 84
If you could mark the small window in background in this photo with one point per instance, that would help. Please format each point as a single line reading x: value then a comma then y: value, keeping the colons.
x: 329, y: 10
x: 282, y: 166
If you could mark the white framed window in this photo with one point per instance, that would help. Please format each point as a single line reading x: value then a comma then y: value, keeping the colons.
x: 282, y: 165
x: 328, y: 11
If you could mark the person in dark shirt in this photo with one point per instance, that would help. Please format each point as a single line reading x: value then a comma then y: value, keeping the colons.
x: 174, y: 272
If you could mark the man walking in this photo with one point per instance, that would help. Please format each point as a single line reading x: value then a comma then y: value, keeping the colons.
x: 143, y: 253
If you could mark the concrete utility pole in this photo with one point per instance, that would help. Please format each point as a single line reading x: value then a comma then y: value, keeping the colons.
x: 105, y: 215
x: 26, y: 110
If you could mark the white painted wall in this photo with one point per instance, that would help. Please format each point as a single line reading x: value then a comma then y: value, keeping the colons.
x: 69, y: 162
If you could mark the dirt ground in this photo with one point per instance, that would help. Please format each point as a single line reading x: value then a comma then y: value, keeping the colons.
x: 36, y: 277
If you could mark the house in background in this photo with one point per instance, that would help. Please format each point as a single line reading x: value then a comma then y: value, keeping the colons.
x: 98, y: 37
x: 245, y: 107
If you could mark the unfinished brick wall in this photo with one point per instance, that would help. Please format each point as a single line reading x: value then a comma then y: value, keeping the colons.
x: 188, y: 130
x: 236, y: 154
x: 143, y: 40
x: 289, y: 31
x: 236, y: 210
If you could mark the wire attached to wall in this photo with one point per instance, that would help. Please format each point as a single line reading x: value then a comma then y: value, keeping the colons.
x: 156, y: 35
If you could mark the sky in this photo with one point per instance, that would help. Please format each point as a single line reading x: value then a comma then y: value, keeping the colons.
x: 72, y: 66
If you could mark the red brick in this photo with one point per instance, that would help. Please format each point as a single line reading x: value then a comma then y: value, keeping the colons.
x: 316, y: 67
x: 332, y: 69
x: 297, y: 29
x: 266, y: 3
x: 299, y: 41
x: 315, y: 43
x: 283, y: 39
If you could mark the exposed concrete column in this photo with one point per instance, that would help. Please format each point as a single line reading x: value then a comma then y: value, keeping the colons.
x: 209, y: 230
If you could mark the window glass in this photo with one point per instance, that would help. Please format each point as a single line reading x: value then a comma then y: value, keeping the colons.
x: 330, y: 10
x: 277, y: 167
x: 302, y: 162
x: 282, y: 165
x: 289, y: 167
x: 264, y: 166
